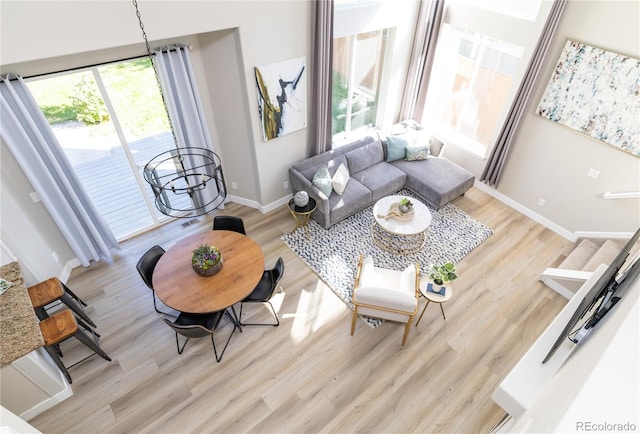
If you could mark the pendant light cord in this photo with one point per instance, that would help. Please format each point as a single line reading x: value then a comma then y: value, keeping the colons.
x: 155, y: 71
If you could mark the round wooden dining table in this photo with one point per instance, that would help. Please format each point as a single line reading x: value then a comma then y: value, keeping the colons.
x: 182, y: 289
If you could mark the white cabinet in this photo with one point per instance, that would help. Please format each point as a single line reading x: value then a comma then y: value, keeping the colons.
x: 32, y: 384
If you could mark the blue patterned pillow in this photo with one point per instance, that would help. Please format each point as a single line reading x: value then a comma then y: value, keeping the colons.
x: 419, y: 152
x: 322, y: 180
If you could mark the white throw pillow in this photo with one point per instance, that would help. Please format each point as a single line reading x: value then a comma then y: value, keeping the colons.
x: 408, y: 279
x: 340, y: 179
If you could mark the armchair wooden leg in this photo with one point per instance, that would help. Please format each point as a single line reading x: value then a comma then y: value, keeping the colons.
x: 353, y: 319
x: 407, y: 327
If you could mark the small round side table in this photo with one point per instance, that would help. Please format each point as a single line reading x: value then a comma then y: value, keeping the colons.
x: 434, y: 298
x: 302, y: 214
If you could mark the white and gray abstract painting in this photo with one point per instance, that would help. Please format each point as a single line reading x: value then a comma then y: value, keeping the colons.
x: 597, y: 93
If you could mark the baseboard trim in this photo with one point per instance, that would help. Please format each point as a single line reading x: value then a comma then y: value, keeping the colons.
x: 604, y: 235
x: 47, y: 404
x: 242, y: 201
x: 255, y: 205
x: 278, y: 203
x: 68, y: 268
x: 526, y: 211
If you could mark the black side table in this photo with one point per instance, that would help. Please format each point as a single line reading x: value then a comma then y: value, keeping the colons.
x: 302, y: 214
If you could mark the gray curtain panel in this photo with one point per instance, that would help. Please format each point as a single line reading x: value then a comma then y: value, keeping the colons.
x: 495, y: 164
x: 423, y: 52
x: 35, y: 146
x: 321, y: 79
x: 178, y: 82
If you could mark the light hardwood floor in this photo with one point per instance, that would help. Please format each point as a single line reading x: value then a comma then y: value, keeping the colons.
x: 309, y: 375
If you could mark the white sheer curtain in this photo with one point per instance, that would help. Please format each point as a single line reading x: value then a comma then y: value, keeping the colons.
x: 174, y: 68
x: 32, y: 142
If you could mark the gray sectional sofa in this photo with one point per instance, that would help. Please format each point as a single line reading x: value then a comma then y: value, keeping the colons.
x: 434, y: 179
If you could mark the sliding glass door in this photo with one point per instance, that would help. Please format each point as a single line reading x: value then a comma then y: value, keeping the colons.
x: 110, y: 121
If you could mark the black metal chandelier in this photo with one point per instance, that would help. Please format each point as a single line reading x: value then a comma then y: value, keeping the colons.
x: 182, y: 179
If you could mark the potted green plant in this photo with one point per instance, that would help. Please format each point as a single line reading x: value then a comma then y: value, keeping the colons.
x: 405, y: 205
x: 206, y: 260
x: 442, y: 274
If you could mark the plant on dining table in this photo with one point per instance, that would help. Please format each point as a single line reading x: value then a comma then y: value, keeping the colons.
x: 205, y: 257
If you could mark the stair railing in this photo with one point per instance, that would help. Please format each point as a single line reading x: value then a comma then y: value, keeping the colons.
x: 621, y: 195
x: 564, y: 282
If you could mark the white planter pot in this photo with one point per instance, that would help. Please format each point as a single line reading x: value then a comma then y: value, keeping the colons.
x: 301, y: 198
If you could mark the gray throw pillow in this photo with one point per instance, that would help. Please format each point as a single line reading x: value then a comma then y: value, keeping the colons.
x: 322, y: 180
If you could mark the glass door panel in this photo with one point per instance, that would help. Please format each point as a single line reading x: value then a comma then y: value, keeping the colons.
x: 132, y: 89
x: 110, y: 121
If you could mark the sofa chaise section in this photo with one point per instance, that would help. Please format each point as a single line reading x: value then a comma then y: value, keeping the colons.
x: 436, y: 180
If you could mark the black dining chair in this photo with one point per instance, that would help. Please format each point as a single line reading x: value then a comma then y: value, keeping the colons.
x: 199, y: 326
x: 265, y: 290
x: 229, y: 223
x: 145, y: 267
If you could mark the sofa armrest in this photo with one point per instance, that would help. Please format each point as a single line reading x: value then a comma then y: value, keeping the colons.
x: 436, y: 147
x: 299, y: 183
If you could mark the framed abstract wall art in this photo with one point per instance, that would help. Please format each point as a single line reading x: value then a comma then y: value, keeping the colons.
x: 597, y: 93
x: 282, y: 97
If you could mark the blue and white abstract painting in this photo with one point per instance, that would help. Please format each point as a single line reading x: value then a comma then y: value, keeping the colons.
x: 597, y: 93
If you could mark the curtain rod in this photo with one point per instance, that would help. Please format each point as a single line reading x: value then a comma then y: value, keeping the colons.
x: 77, y: 68
x: 164, y: 49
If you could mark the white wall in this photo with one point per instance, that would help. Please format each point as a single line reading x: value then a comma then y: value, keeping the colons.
x: 231, y: 112
x: 26, y: 228
x: 14, y: 423
x: 551, y: 162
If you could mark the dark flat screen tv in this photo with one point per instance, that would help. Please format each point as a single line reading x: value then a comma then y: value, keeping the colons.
x: 607, y: 291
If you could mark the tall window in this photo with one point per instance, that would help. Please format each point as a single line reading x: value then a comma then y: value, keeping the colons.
x: 472, y: 77
x: 357, y: 69
x: 477, y: 68
x: 371, y: 47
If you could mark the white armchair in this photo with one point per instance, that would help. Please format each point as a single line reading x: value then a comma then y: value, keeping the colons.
x: 387, y: 294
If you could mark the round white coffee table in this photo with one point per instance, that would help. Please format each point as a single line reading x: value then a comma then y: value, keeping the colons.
x: 400, y: 234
